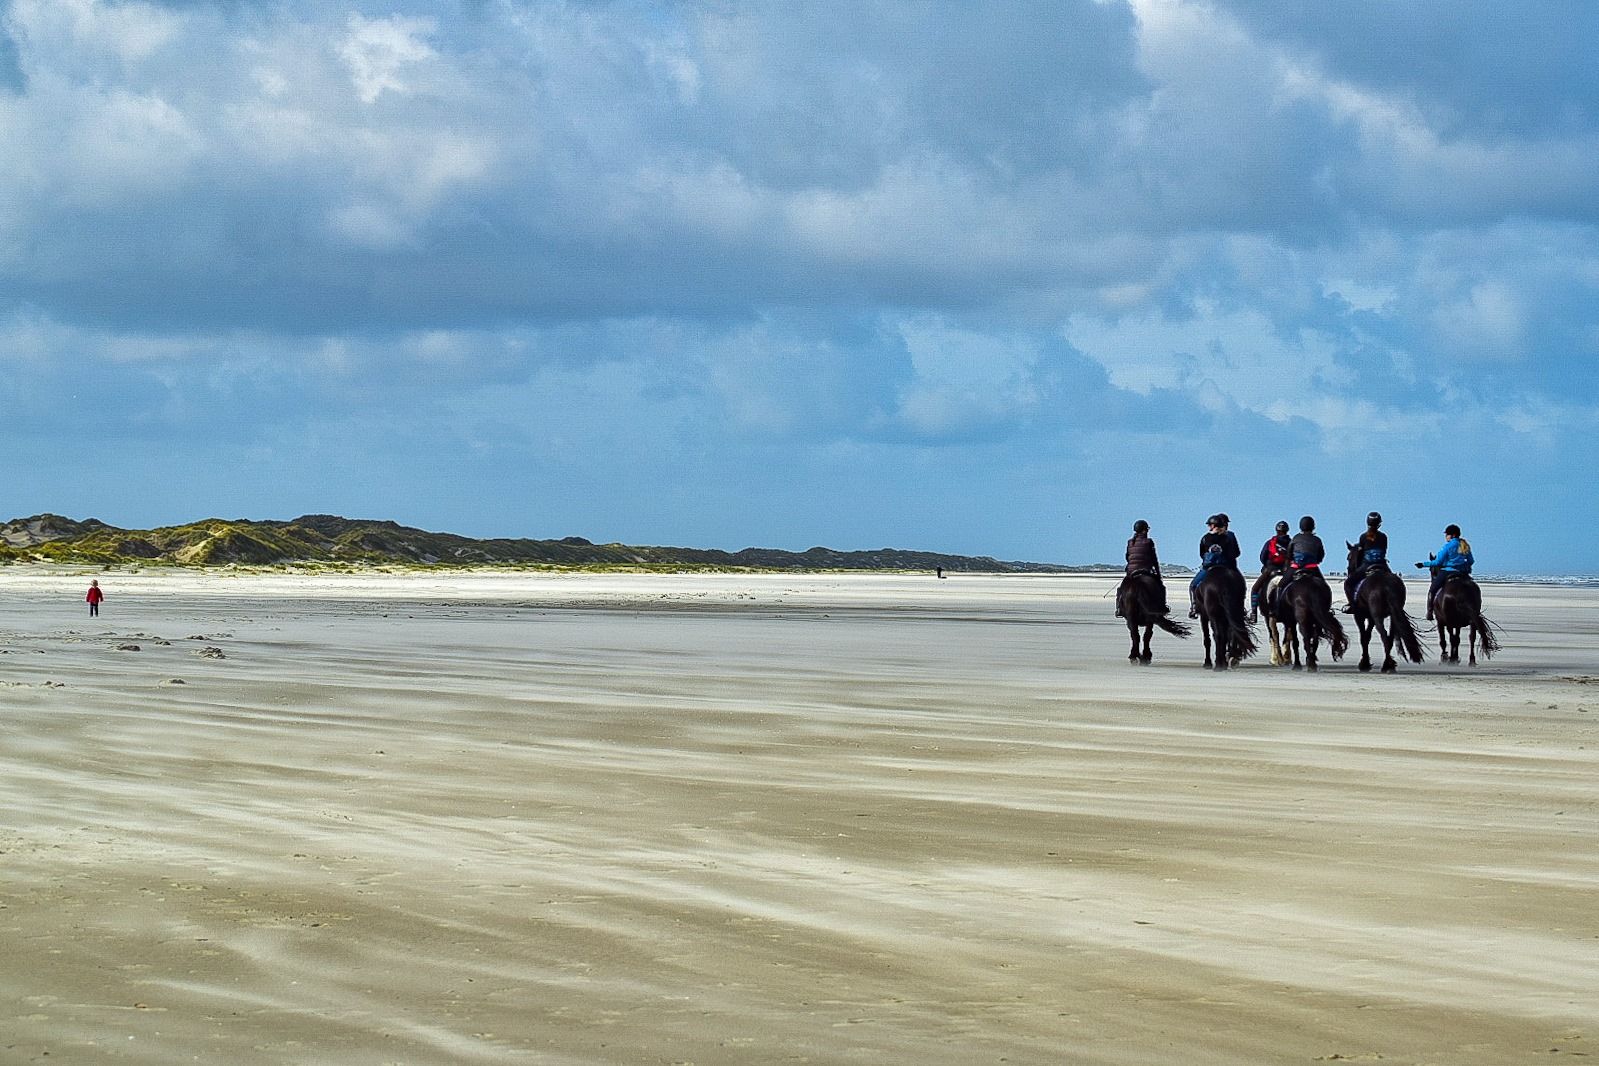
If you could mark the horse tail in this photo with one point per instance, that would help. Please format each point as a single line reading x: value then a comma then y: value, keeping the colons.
x: 1487, y: 643
x: 1242, y: 637
x: 1333, y: 630
x: 1406, y: 637
x: 1172, y: 626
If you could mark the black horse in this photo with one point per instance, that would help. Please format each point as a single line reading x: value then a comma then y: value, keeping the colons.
x: 1222, y: 620
x: 1379, y: 606
x: 1304, y: 607
x: 1141, y: 600
x: 1458, y: 606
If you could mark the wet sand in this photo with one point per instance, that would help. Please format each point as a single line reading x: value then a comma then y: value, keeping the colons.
x: 523, y: 818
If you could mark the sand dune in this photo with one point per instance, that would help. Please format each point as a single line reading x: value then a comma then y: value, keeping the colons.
x: 530, y: 818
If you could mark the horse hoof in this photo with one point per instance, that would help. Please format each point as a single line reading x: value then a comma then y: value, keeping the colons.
x: 1145, y: 660
x: 1390, y: 668
x: 1365, y: 666
x: 1297, y: 666
x: 1311, y: 667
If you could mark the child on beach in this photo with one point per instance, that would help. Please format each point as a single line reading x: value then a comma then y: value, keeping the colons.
x: 94, y: 597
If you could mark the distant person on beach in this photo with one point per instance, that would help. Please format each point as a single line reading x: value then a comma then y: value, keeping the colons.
x: 94, y: 597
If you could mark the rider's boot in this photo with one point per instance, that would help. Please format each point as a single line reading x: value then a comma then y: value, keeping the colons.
x: 1193, y: 605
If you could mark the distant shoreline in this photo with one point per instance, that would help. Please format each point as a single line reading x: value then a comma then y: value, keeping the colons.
x: 313, y: 568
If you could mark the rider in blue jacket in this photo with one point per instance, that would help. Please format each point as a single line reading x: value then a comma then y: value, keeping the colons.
x: 1453, y: 558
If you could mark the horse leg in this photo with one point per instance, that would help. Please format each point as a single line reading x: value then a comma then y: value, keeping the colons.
x: 1364, y: 624
x: 1149, y: 631
x: 1223, y: 640
x: 1389, y: 666
x: 1311, y: 638
x: 1132, y: 631
x: 1204, y: 627
x: 1472, y: 645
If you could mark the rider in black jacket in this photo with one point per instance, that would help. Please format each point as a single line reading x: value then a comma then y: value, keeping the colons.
x: 1373, y: 545
x: 1305, y: 551
x: 1218, y: 549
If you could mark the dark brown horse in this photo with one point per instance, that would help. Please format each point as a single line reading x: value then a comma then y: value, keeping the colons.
x: 1304, y: 607
x: 1459, y: 606
x: 1222, y: 619
x: 1379, y: 606
x: 1141, y: 600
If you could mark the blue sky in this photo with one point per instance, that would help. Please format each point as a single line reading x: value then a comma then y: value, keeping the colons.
x: 987, y: 279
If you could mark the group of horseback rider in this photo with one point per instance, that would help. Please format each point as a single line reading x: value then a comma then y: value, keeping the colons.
x: 1295, y: 558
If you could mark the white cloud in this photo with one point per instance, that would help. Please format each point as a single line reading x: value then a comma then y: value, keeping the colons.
x: 1241, y: 355
x: 378, y: 52
x: 92, y: 30
x: 1486, y: 322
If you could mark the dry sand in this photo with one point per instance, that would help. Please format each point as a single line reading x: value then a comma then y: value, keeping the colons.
x: 514, y: 818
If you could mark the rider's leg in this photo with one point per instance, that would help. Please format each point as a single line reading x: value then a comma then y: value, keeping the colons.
x: 1193, y: 593
x: 1432, y: 591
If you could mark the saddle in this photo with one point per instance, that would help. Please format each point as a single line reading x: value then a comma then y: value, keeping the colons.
x: 1301, y: 573
x: 1372, y: 570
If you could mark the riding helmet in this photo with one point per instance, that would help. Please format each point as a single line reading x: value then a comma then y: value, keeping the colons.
x: 1282, y: 527
x: 1140, y: 526
x: 1213, y: 520
x: 1222, y: 520
x: 1451, y: 530
x: 1307, y: 524
x: 1374, y: 519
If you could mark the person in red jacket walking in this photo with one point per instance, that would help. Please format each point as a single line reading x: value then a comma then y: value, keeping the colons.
x: 94, y: 597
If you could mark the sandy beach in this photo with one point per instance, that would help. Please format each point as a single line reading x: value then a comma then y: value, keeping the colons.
x: 717, y: 819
